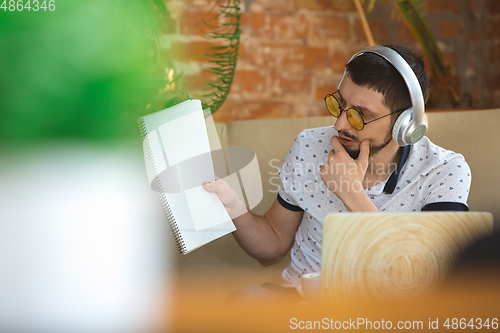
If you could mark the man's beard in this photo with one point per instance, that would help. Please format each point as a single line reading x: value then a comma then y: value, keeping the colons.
x: 354, y: 152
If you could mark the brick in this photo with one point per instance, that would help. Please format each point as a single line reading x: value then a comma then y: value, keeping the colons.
x: 176, y: 51
x: 475, y: 36
x: 495, y: 82
x: 192, y: 51
x: 336, y: 5
x: 283, y: 85
x: 494, y: 55
x: 313, y: 4
x: 427, y: 64
x: 191, y: 23
x: 472, y: 69
x: 442, y: 7
x: 328, y: 27
x: 322, y: 90
x: 272, y: 110
x: 476, y: 96
x: 224, y: 114
x: 288, y: 26
x: 252, y: 24
x: 236, y: 109
x: 251, y: 52
x: 196, y: 83
x: 475, y: 6
x: 343, y: 5
x: 493, y: 29
x: 340, y: 59
x: 452, y: 29
x: 306, y: 57
x: 379, y: 32
x: 433, y: 28
x: 266, y: 5
x: 404, y: 33
x: 248, y: 80
x: 495, y: 99
x: 451, y: 61
x: 493, y: 7
x: 191, y: 5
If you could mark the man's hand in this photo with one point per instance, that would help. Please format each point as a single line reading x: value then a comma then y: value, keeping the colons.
x: 234, y: 206
x: 343, y: 175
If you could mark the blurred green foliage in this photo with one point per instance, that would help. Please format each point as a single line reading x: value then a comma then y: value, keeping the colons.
x: 85, y: 71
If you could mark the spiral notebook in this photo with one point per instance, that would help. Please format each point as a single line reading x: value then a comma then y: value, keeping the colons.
x: 178, y: 160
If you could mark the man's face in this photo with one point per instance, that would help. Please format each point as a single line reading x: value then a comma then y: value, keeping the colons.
x: 369, y: 103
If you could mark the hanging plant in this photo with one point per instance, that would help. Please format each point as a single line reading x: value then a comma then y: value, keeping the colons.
x: 222, y: 55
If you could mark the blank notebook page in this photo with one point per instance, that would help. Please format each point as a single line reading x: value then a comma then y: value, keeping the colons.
x: 177, y: 135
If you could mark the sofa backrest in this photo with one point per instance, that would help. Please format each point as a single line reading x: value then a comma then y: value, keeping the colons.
x: 474, y: 135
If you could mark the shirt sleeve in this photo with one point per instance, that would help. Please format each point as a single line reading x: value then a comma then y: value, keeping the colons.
x: 449, y: 182
x: 289, y: 186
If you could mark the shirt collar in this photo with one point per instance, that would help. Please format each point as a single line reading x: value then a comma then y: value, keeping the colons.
x: 393, y: 179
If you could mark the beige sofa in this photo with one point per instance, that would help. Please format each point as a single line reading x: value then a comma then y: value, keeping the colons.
x: 222, y: 263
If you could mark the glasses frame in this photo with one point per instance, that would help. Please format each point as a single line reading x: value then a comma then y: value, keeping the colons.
x: 354, y: 109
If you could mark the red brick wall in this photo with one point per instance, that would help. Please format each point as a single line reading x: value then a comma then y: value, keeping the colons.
x: 293, y: 52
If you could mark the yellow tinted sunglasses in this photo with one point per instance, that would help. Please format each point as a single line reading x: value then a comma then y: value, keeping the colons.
x: 353, y: 116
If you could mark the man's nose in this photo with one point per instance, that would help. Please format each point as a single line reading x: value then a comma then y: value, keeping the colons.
x: 342, y: 123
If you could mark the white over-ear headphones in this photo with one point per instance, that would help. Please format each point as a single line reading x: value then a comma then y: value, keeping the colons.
x: 410, y: 125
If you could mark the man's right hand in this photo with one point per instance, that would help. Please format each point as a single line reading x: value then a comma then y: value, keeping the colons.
x: 267, y: 238
x: 234, y: 206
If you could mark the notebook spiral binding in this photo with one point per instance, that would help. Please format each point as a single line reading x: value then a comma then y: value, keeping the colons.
x: 148, y: 156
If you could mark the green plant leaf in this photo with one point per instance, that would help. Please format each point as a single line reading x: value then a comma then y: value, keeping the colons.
x: 422, y: 33
x: 224, y: 26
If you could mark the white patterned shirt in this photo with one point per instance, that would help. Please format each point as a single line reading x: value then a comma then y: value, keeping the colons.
x: 427, y: 177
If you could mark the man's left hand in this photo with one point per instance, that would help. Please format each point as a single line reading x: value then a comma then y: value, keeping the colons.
x: 342, y: 174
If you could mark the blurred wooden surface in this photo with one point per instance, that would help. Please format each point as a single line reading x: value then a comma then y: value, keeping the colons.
x: 469, y: 293
x: 394, y: 256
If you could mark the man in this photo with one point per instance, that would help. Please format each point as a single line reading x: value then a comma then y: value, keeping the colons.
x: 355, y: 166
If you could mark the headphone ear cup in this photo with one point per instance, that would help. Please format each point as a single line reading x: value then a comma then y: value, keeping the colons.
x: 401, y: 127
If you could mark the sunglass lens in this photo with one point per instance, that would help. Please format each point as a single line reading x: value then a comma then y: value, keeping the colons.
x: 332, y: 106
x: 355, y: 119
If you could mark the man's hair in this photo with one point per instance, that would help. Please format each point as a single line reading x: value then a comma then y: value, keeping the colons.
x: 372, y: 71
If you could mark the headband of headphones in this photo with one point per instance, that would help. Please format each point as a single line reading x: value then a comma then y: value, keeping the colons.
x: 410, y: 126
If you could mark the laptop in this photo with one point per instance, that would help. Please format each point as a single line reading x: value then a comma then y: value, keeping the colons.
x: 394, y: 256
